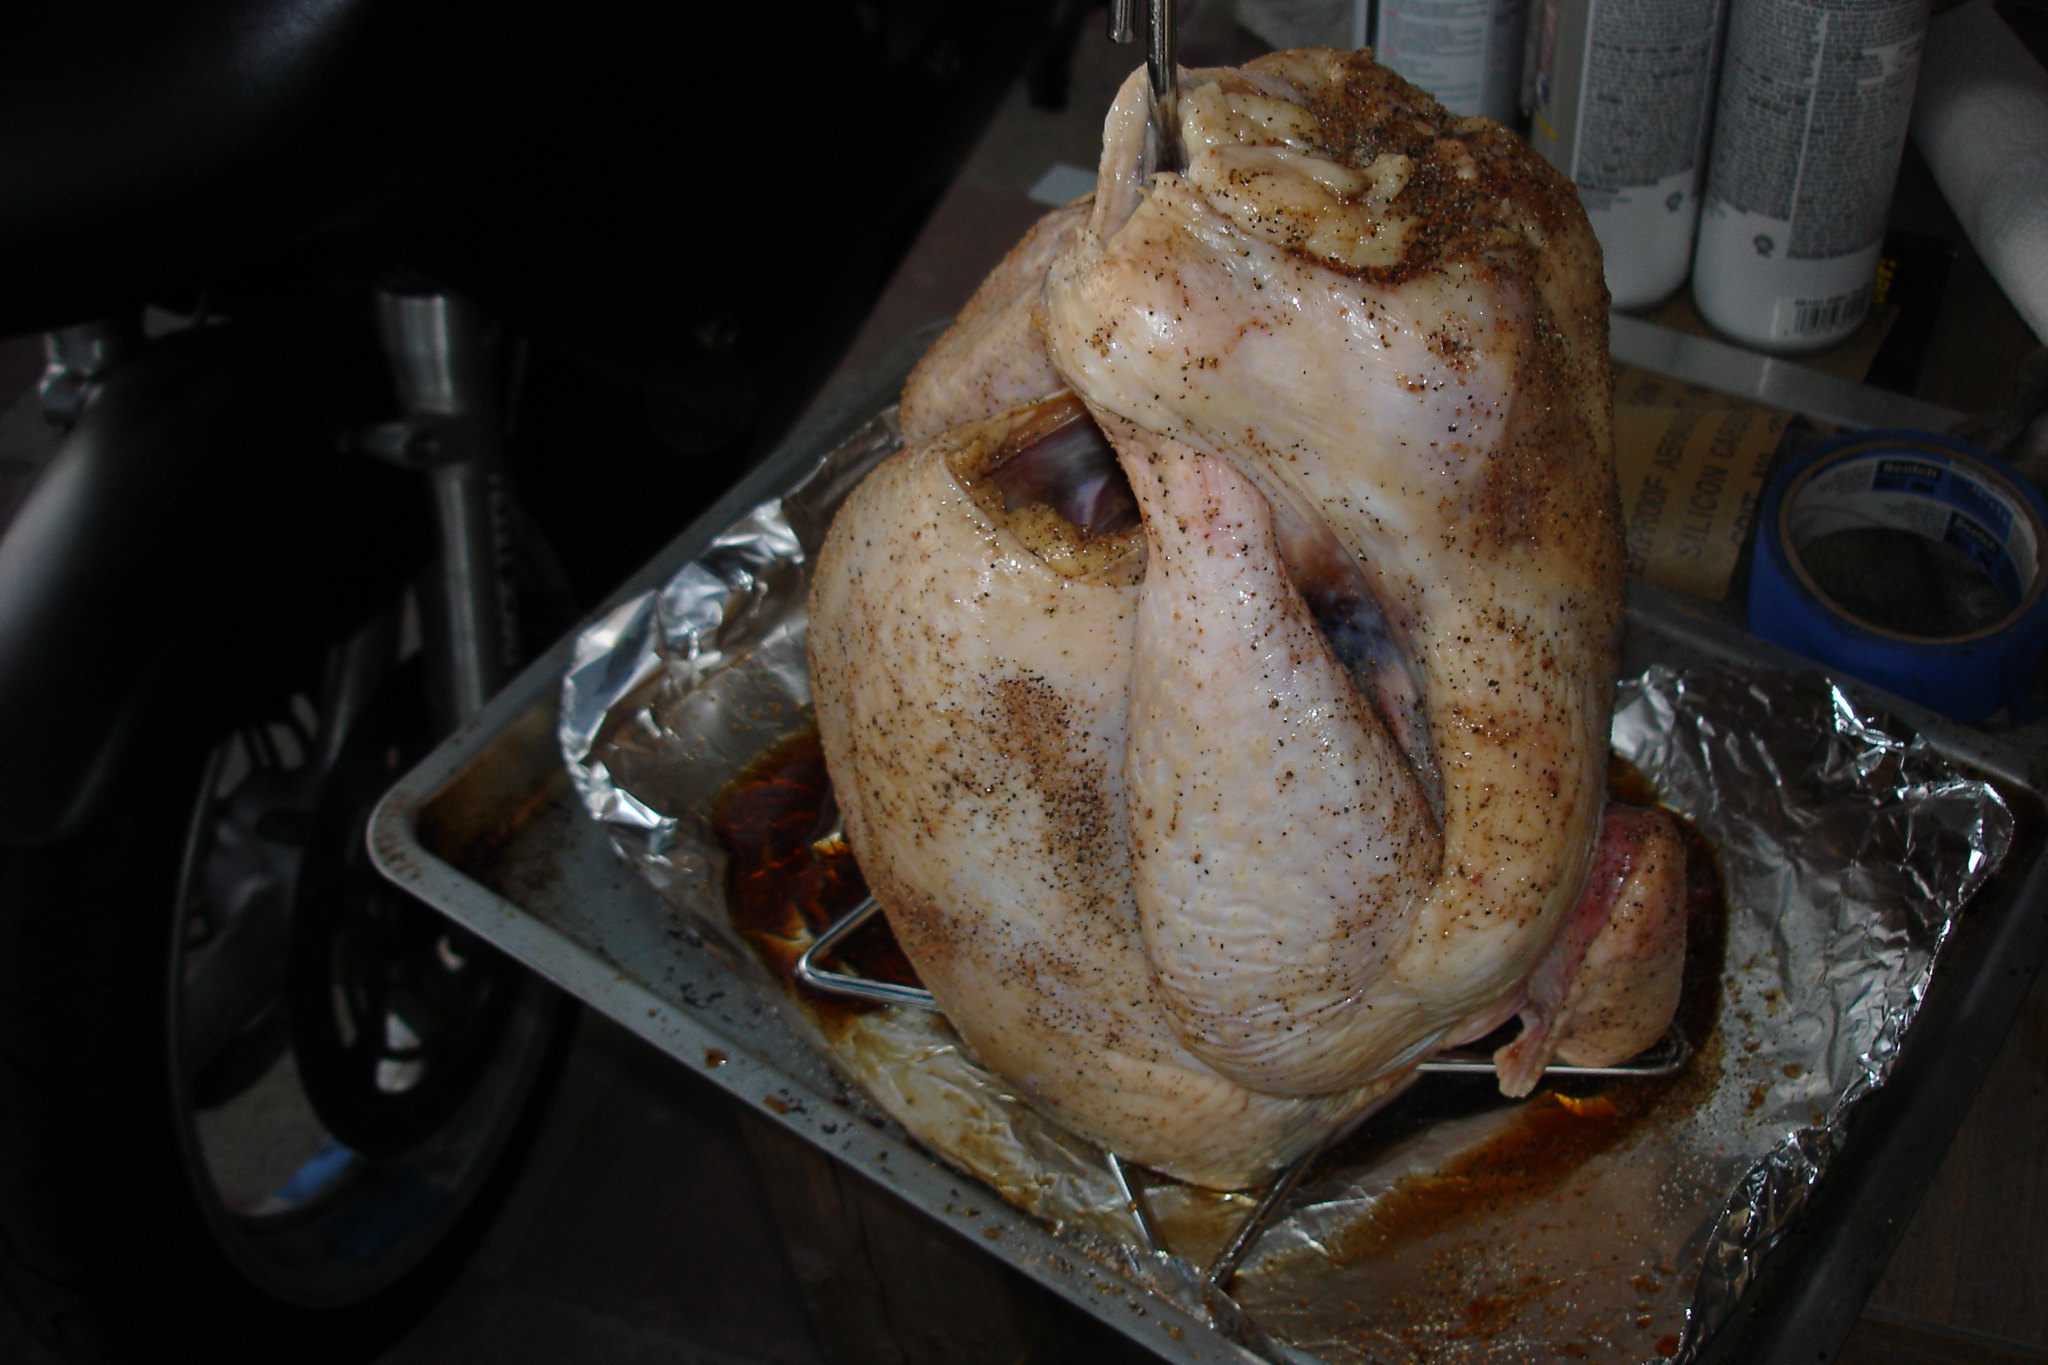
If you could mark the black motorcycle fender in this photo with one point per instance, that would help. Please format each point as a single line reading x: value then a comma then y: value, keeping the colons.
x: 204, y: 511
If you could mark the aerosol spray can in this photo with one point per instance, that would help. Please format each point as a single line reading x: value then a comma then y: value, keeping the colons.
x: 1467, y: 53
x: 1808, y: 130
x: 1621, y: 95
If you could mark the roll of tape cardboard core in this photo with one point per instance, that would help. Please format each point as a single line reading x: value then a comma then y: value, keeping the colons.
x: 1911, y: 560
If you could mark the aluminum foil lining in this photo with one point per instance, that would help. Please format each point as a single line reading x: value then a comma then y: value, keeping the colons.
x: 1616, y: 1220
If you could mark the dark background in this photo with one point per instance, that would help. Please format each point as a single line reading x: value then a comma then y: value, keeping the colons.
x: 643, y: 1233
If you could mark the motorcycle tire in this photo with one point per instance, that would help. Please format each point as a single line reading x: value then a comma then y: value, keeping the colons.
x: 255, y: 1102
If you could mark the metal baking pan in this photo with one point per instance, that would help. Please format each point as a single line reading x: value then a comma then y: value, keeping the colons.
x: 488, y: 830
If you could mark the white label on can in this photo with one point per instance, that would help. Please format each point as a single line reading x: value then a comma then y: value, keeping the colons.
x: 1623, y: 110
x: 1642, y: 114
x: 1467, y: 53
x: 1812, y: 120
x: 1746, y: 284
x: 1809, y: 127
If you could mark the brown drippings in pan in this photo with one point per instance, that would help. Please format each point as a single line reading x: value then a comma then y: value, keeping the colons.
x: 789, y: 874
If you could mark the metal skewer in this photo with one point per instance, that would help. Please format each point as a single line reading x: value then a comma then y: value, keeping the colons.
x: 1163, y: 70
x: 1163, y: 150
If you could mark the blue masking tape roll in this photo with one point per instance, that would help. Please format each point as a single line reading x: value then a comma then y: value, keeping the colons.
x: 1941, y: 490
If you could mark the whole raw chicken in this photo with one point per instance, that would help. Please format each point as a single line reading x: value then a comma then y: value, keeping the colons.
x: 1214, y: 776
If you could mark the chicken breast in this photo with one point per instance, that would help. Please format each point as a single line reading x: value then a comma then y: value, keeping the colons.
x: 1210, y: 800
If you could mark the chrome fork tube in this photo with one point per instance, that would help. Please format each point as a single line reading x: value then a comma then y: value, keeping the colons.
x: 444, y: 355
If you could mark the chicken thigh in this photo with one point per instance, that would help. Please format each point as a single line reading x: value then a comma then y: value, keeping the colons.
x: 1210, y: 799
